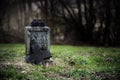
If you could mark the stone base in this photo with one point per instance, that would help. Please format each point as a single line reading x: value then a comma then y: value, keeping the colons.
x: 47, y: 62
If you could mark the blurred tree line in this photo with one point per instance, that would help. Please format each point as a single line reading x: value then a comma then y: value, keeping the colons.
x: 71, y: 21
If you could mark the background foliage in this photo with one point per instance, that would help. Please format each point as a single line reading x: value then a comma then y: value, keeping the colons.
x: 71, y: 21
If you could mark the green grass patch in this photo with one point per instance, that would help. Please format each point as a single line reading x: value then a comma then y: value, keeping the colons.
x: 70, y: 63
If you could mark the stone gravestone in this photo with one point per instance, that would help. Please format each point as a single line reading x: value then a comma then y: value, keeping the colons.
x: 37, y: 37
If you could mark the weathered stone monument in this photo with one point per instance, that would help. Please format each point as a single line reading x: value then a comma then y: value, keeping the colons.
x: 37, y: 37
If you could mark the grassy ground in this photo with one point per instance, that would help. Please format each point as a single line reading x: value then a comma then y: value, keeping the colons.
x: 70, y: 63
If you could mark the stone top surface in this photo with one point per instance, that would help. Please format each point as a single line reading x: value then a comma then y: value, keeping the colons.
x: 30, y: 28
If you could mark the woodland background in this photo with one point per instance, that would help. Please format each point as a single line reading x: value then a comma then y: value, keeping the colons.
x: 94, y: 22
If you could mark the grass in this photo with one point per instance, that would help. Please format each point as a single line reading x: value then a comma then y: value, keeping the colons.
x: 70, y: 63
